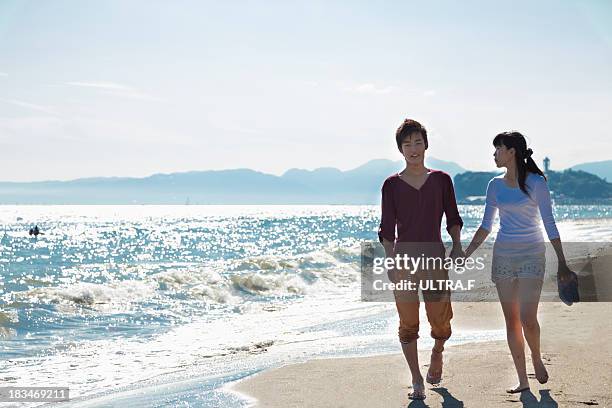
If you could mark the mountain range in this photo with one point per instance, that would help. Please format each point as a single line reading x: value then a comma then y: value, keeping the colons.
x: 602, y: 169
x: 325, y: 185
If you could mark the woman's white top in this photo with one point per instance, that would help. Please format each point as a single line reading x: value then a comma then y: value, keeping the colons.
x: 519, y: 215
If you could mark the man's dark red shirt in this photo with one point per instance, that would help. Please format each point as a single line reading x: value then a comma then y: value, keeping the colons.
x: 417, y: 213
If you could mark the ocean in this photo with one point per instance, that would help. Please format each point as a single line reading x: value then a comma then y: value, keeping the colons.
x: 181, y: 300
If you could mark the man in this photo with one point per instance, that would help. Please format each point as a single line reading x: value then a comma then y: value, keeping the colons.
x: 414, y: 201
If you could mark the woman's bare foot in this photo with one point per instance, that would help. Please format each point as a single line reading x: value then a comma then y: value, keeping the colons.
x: 434, y: 374
x: 520, y: 387
x: 540, y: 370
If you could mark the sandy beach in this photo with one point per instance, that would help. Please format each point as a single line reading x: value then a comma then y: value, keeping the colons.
x: 576, y: 348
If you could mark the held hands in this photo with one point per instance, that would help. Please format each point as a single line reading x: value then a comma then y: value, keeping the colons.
x: 457, y: 252
x: 397, y: 276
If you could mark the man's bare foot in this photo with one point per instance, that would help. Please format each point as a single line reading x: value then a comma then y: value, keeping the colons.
x: 434, y: 374
x: 418, y: 391
x: 540, y: 370
x: 518, y: 388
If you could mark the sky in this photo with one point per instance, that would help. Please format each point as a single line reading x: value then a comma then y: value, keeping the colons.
x: 134, y: 88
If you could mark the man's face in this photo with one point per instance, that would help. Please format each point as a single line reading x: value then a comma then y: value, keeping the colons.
x: 413, y: 148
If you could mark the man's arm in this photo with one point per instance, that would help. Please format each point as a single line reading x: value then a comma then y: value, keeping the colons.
x: 386, y: 230
x: 454, y: 223
x: 389, y: 248
x: 455, y: 234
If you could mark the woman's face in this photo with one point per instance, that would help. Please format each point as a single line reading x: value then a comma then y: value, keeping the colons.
x: 503, y: 156
x: 413, y: 148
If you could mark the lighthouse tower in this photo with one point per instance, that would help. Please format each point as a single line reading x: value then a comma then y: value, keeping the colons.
x: 546, y: 164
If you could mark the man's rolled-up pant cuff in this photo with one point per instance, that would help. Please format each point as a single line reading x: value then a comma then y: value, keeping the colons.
x: 408, y: 338
x: 441, y: 336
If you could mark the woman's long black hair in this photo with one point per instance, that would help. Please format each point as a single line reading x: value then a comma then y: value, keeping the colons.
x: 524, y: 162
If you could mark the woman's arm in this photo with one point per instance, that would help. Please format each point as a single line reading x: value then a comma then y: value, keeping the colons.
x: 487, y: 220
x: 542, y: 196
x: 563, y: 271
x: 479, y: 237
x: 545, y: 207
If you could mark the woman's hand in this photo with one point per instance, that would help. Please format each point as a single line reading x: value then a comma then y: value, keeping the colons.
x: 565, y: 274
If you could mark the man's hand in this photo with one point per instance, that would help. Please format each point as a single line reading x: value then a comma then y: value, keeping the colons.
x: 393, y: 275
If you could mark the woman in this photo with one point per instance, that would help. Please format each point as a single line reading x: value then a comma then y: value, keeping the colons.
x: 518, y: 265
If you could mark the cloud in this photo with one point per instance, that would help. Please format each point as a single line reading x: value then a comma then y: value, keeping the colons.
x: 429, y: 92
x: 31, y: 106
x: 115, y: 89
x: 109, y: 86
x: 3, y: 74
x: 134, y: 94
x: 240, y: 129
x: 32, y: 128
x: 369, y: 88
